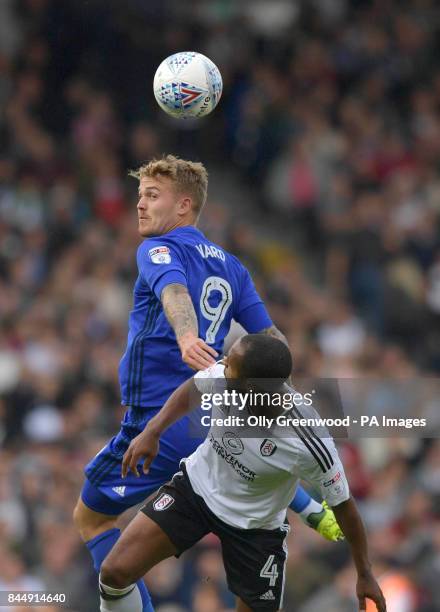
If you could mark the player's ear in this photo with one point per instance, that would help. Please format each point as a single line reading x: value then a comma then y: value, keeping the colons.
x: 185, y: 205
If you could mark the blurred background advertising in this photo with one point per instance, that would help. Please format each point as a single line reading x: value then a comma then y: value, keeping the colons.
x: 324, y: 180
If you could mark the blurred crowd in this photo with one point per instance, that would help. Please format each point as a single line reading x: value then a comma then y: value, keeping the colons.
x: 326, y: 155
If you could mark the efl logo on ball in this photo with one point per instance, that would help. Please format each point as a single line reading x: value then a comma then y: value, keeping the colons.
x: 187, y: 84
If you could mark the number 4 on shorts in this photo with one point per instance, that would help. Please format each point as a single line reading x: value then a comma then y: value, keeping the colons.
x: 270, y: 571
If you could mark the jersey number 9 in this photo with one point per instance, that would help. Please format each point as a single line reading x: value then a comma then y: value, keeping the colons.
x: 215, y: 314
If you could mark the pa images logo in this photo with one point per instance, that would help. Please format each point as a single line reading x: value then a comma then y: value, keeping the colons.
x: 268, y: 447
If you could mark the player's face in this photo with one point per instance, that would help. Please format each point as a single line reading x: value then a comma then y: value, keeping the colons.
x: 233, y: 360
x: 160, y: 208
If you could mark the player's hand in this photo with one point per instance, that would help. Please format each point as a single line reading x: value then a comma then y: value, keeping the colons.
x: 146, y: 444
x: 195, y: 352
x: 367, y: 587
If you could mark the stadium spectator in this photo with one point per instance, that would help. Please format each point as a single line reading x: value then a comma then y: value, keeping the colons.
x: 326, y: 147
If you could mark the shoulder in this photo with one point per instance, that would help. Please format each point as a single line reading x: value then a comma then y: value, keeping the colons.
x: 159, y: 249
x: 233, y: 262
x: 239, y: 266
x: 233, y: 259
x: 168, y: 240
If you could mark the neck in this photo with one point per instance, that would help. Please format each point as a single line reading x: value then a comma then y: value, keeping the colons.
x: 182, y: 223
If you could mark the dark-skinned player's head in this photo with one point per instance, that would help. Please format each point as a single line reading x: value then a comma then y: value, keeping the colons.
x: 258, y: 356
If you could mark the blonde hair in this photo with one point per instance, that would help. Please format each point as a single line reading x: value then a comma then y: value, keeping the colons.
x: 189, y: 177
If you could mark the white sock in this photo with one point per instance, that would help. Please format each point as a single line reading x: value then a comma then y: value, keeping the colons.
x: 313, y: 507
x: 127, y: 599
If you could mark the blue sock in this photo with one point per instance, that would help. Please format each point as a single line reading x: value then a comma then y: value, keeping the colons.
x: 100, y: 546
x: 300, y: 501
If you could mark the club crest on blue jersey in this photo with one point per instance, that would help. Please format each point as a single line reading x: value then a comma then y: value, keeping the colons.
x: 160, y: 255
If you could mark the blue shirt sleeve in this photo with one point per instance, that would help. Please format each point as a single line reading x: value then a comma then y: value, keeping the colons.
x: 251, y: 312
x: 255, y: 318
x: 160, y: 264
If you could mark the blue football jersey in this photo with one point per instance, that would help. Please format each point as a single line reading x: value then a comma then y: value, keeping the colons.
x: 221, y: 289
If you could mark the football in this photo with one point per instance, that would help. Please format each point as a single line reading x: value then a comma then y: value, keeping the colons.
x: 187, y: 84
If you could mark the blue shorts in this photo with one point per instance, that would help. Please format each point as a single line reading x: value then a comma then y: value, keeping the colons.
x: 105, y: 491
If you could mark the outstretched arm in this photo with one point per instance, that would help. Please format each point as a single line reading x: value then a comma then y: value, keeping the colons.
x: 184, y: 399
x: 179, y: 310
x: 351, y: 524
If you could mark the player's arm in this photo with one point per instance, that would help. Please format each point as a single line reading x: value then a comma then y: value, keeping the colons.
x: 351, y: 524
x: 275, y: 333
x: 182, y: 401
x: 319, y: 463
x: 162, y: 268
x: 179, y: 310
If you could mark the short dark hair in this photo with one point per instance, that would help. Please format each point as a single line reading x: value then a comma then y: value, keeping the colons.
x: 265, y: 357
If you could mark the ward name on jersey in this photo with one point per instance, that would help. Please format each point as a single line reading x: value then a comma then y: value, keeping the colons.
x: 249, y: 482
x: 152, y: 367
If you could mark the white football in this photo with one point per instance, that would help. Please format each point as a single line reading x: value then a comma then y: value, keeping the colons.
x: 187, y: 84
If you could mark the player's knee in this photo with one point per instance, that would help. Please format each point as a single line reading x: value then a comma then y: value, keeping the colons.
x: 89, y: 523
x: 114, y: 574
